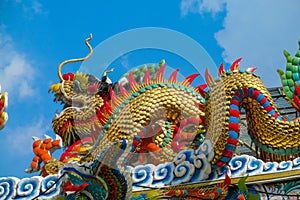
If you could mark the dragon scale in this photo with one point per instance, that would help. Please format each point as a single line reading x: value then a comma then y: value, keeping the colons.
x: 275, y: 138
x: 166, y: 101
x: 148, y: 120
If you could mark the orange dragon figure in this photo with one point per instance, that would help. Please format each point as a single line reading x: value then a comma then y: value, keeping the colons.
x: 43, y: 150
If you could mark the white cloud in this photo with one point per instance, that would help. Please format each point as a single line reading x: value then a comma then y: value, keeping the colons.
x: 31, y: 7
x: 16, y: 71
x: 257, y: 31
x: 20, y: 138
x: 37, y: 7
x: 201, y: 6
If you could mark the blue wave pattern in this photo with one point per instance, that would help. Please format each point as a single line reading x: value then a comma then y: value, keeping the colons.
x: 187, y: 167
x: 163, y: 174
x: 248, y: 165
x: 190, y: 167
x: 29, y: 188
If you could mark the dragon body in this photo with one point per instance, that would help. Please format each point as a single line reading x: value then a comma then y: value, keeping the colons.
x: 165, y: 103
x: 275, y: 137
x: 151, y: 121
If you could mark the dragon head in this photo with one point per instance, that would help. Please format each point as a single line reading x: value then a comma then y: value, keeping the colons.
x: 86, y: 106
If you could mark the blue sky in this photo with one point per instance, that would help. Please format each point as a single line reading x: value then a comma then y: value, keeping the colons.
x: 36, y: 36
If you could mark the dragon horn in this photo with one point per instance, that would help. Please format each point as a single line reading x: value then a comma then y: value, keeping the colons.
x: 77, y: 59
x: 108, y: 71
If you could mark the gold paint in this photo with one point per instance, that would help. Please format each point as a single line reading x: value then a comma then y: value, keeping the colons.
x: 76, y: 60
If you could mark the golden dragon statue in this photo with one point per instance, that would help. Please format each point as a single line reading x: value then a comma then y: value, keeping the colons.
x: 151, y: 118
